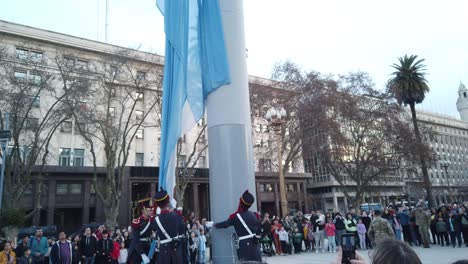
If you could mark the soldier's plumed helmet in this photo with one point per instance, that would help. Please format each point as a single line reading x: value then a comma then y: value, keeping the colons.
x: 161, y: 198
x: 247, y: 199
x: 146, y: 203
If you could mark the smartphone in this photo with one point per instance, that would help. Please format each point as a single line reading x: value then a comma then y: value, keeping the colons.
x: 348, y: 246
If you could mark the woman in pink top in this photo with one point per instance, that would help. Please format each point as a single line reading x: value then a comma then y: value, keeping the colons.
x: 330, y: 230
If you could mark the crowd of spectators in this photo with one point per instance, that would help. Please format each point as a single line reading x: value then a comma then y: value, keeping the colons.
x: 321, y: 232
x: 317, y: 232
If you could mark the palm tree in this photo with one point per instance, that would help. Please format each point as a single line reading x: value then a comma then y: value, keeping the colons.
x: 409, y: 86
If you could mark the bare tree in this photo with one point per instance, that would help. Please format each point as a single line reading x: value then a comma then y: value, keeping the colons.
x: 187, y: 164
x: 364, y: 139
x: 35, y: 109
x: 122, y: 99
x: 290, y: 88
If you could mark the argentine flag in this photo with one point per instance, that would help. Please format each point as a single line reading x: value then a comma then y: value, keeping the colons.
x: 195, y: 65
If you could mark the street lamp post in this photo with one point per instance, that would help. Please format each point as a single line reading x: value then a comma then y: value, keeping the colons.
x: 276, y: 119
x: 445, y: 166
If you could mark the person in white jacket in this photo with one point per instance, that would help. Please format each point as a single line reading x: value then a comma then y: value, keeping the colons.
x: 284, y: 239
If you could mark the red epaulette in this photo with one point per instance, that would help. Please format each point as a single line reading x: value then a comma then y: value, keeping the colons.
x: 179, y: 212
x: 233, y: 216
x: 257, y: 215
x: 136, y: 223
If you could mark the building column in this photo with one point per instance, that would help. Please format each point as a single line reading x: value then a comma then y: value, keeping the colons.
x: 335, y: 202
x: 277, y: 199
x: 86, y: 197
x: 345, y: 204
x: 153, y: 189
x: 37, y: 214
x: 51, y: 202
x: 196, y: 199
x: 259, y: 203
x: 299, y: 196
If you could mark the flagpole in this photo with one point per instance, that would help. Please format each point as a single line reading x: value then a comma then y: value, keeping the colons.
x: 230, y: 138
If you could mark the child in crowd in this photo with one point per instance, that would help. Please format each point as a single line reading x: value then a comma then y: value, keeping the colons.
x: 201, y: 246
x: 123, y: 256
x: 284, y: 240
x: 297, y: 238
x: 361, y: 229
x: 27, y: 258
x: 330, y: 231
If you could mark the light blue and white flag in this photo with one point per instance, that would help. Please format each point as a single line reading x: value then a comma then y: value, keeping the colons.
x: 195, y: 65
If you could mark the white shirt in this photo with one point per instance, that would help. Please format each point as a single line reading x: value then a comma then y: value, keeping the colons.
x: 283, y: 235
x: 123, y: 255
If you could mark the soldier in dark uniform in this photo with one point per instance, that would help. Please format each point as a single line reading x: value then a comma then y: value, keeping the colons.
x: 142, y: 230
x: 170, y: 231
x: 248, y: 229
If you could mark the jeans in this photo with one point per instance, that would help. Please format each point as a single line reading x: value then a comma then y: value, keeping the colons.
x: 331, y: 243
x: 407, y: 233
x: 398, y: 234
x: 319, y: 240
x: 88, y: 260
x: 362, y: 241
x: 339, y: 233
x: 457, y: 236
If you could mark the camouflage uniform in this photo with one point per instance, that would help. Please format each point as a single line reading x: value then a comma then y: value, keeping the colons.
x: 380, y: 229
x: 423, y: 220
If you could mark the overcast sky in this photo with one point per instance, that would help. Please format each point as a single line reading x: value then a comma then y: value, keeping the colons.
x: 330, y: 36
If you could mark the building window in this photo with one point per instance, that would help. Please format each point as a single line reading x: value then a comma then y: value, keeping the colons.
x: 139, y: 159
x: 139, y: 115
x: 141, y: 75
x: 265, y: 164
x: 78, y: 157
x: 81, y: 64
x: 68, y: 188
x: 111, y: 111
x: 266, y: 187
x: 139, y: 134
x: 202, y: 162
x: 181, y: 161
x: 64, y: 156
x: 113, y: 71
x: 291, y: 187
x: 61, y: 189
x: 139, y: 96
x: 21, y: 75
x: 35, y: 101
x: 32, y: 124
x: 66, y: 127
x: 34, y: 55
x: 21, y: 54
x: 74, y: 188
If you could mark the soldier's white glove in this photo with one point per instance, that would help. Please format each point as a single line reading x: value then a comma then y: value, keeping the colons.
x: 145, y: 258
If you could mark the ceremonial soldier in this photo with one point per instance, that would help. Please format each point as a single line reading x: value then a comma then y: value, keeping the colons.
x: 248, y: 228
x: 142, y: 231
x: 170, y: 231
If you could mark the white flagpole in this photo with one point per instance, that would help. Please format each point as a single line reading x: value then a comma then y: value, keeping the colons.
x: 230, y: 138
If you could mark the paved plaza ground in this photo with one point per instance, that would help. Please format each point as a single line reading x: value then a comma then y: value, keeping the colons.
x: 433, y: 255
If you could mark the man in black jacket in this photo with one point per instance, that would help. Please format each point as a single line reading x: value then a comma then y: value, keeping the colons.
x: 104, y: 249
x: 88, y: 244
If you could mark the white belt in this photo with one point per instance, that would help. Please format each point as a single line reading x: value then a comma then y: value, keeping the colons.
x: 168, y: 240
x: 246, y: 237
x: 250, y: 235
